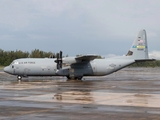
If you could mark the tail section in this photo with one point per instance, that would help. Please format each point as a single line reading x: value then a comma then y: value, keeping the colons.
x: 139, y: 48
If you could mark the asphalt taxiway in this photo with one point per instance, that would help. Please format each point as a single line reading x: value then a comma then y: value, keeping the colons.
x: 129, y: 94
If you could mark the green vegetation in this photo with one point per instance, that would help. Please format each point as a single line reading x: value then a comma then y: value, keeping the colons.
x: 1, y: 67
x: 146, y: 64
x: 6, y: 57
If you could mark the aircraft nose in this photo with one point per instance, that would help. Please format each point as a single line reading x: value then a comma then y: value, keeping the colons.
x: 7, y: 69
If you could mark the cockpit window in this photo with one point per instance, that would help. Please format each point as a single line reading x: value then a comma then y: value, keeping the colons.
x: 14, y: 62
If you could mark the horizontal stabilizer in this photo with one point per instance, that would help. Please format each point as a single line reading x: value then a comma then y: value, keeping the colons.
x: 143, y: 60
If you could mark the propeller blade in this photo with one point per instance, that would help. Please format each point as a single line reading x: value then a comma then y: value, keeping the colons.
x: 59, y: 60
x: 60, y: 55
x: 57, y: 56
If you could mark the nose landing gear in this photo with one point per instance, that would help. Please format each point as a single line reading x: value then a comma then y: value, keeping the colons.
x: 19, y: 78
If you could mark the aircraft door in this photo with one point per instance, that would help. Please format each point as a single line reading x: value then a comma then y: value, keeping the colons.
x: 15, y: 69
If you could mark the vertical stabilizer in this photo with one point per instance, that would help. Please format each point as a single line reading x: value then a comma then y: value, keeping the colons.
x: 139, y: 48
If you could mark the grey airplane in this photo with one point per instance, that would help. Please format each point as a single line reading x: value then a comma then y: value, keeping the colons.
x: 77, y: 67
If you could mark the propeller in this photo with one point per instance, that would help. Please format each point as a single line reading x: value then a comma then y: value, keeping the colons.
x: 59, y: 60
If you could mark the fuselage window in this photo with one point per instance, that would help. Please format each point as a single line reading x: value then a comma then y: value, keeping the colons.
x: 12, y: 66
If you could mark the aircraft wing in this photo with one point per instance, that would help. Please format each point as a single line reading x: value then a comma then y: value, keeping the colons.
x: 86, y: 57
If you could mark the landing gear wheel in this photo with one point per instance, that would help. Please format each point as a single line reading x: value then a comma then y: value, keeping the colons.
x: 19, y: 78
x: 74, y: 78
x: 68, y: 77
x: 80, y: 78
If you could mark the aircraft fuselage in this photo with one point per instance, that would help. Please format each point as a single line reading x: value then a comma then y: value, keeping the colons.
x: 47, y: 67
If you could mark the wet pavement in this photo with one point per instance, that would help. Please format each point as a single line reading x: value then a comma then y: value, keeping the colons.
x: 129, y: 94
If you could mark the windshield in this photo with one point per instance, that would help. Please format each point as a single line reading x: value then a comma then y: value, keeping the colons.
x: 14, y: 62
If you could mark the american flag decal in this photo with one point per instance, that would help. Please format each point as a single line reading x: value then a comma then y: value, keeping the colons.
x: 140, y: 41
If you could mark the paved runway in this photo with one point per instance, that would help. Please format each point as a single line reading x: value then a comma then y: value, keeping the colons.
x: 129, y: 94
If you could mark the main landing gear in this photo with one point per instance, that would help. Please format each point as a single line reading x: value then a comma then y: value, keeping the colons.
x: 74, y: 78
x: 19, y: 78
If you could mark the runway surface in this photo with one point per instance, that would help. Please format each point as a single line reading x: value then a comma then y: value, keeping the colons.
x: 129, y: 94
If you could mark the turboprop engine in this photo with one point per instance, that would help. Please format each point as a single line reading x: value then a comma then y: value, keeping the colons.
x: 66, y: 61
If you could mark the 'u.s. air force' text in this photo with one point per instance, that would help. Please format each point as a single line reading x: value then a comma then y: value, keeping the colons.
x: 26, y: 62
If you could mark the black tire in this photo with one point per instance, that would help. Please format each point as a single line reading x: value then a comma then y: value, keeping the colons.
x: 68, y: 77
x: 19, y: 78
x: 74, y: 78
x: 79, y: 78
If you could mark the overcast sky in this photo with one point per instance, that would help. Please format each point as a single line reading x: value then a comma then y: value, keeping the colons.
x: 104, y: 27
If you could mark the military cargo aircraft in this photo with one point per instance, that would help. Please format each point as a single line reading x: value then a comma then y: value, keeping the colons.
x: 77, y: 67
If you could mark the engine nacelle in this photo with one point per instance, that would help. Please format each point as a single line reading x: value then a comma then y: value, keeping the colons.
x: 69, y: 60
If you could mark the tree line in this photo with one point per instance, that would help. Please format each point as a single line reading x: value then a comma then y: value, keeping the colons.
x: 146, y: 64
x: 6, y: 57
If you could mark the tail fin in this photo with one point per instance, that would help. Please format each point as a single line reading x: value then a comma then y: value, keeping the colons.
x: 139, y: 48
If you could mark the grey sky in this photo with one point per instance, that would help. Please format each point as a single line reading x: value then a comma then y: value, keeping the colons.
x: 78, y: 26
